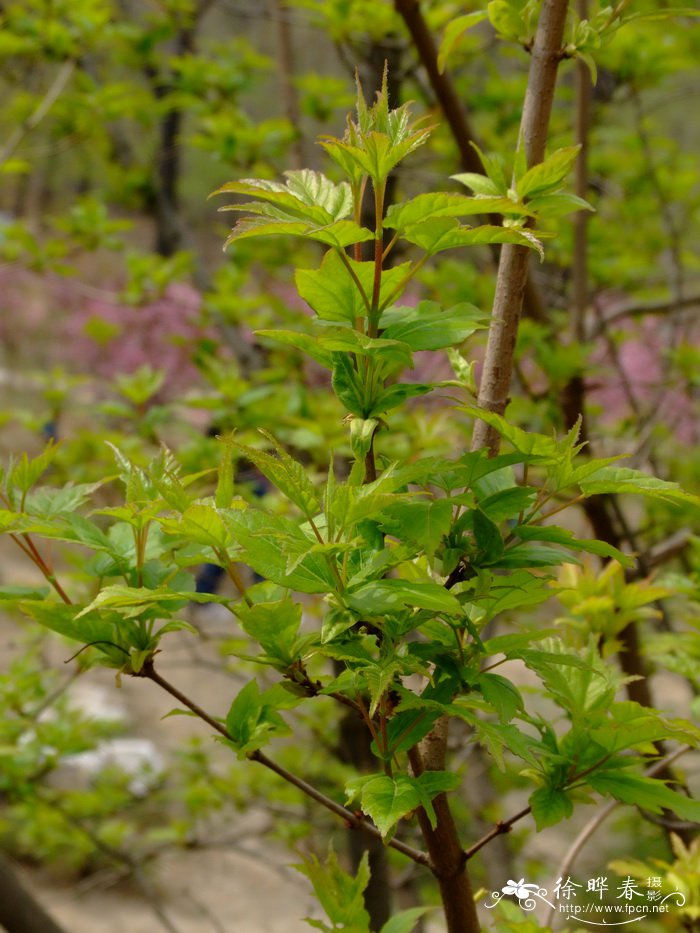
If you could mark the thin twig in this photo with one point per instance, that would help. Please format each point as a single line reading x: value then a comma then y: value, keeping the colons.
x: 56, y: 694
x: 590, y: 828
x: 45, y: 104
x: 511, y: 280
x: 632, y: 309
x: 505, y: 826
x: 124, y: 858
x: 353, y: 820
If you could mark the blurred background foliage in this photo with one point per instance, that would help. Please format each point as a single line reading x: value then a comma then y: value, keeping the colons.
x: 122, y: 320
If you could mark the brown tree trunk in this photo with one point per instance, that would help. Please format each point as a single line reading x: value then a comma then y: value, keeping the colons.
x: 513, y: 266
x: 447, y: 856
x: 457, y: 118
x: 20, y: 912
x: 355, y: 742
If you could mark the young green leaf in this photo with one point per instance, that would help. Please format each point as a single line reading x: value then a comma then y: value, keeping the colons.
x: 275, y: 625
x: 339, y: 894
x: 428, y: 327
x: 388, y: 799
x: 625, y: 480
x: 501, y: 694
x: 348, y: 388
x: 24, y: 474
x: 200, y: 523
x: 534, y: 555
x: 269, y: 542
x: 391, y: 596
x: 361, y: 435
x: 401, y: 217
x: 550, y: 806
x: 347, y: 340
x: 555, y: 205
x: 339, y: 234
x: 507, y: 21
x: 131, y: 601
x: 405, y: 921
x: 488, y: 538
x: 307, y: 196
x: 285, y: 473
x: 396, y: 395
x: 507, y: 503
x: 481, y: 184
x: 548, y: 176
x: 305, y: 342
x: 437, y: 234
x: 525, y: 442
x: 454, y: 32
x: 424, y: 521
x: 563, y: 536
x: 341, y: 288
x: 253, y: 720
x: 647, y: 793
x: 498, y: 738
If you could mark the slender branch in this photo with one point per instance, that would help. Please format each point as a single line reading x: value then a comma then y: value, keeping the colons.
x: 56, y: 694
x: 234, y: 576
x: 642, y: 308
x: 458, y: 121
x: 314, y: 688
x: 45, y: 104
x: 124, y: 858
x: 353, y: 275
x: 22, y: 546
x: 353, y: 820
x: 591, y: 827
x: 666, y: 550
x: 34, y: 555
x: 290, y: 97
x: 503, y: 826
x: 149, y: 672
x: 367, y: 719
x: 561, y: 508
x: 513, y: 265
x: 24, y: 542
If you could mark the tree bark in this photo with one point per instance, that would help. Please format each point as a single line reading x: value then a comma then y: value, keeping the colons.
x: 447, y: 856
x: 285, y: 62
x: 457, y: 118
x: 20, y: 912
x: 355, y: 742
x: 513, y: 265
x: 169, y: 230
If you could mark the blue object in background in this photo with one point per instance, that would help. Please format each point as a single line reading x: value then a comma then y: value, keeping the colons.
x: 209, y: 576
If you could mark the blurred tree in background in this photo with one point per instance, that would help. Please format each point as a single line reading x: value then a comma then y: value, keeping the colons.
x: 123, y: 321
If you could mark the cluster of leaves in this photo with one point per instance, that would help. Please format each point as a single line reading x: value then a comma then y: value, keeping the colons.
x: 42, y: 818
x: 413, y: 560
x: 341, y: 896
